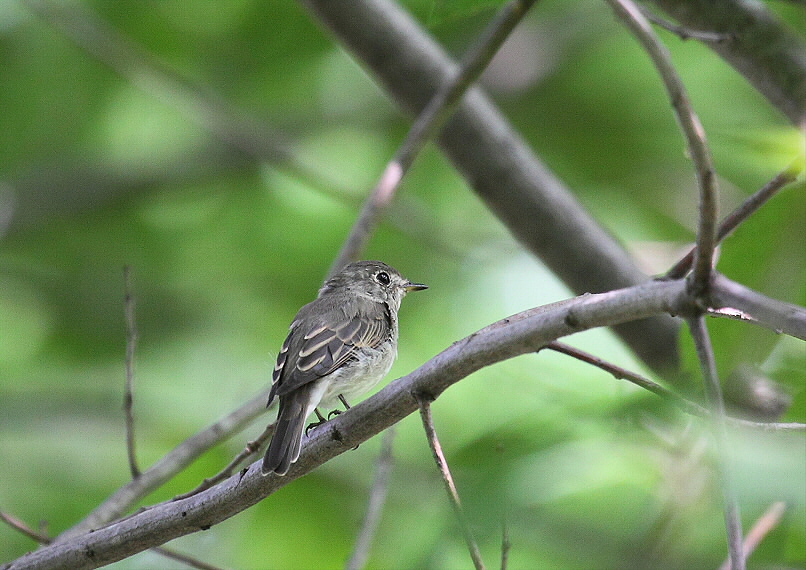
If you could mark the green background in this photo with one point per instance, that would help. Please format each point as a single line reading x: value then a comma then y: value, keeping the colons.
x: 587, y: 471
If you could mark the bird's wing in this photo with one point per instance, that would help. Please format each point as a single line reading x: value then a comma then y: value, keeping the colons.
x: 307, y: 355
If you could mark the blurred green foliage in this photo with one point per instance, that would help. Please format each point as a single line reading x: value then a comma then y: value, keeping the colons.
x: 587, y: 471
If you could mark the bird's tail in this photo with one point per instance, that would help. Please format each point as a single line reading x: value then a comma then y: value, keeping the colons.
x: 287, y: 438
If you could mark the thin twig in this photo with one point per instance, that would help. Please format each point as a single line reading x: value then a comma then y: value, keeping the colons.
x: 117, y: 504
x: 189, y: 560
x: 713, y: 390
x: 761, y: 528
x: 682, y: 32
x: 428, y: 122
x: 694, y: 135
x: 249, y: 449
x: 128, y: 392
x: 623, y: 374
x: 41, y: 538
x: 21, y: 527
x: 680, y: 402
x: 377, y: 498
x: 505, y: 544
x: 748, y: 207
x: 450, y: 487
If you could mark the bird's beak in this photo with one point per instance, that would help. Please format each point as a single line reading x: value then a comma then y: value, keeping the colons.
x: 414, y: 287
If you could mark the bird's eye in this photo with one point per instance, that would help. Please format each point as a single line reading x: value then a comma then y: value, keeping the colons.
x: 383, y: 278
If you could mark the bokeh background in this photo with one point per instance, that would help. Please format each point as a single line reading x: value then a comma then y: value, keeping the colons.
x: 100, y: 170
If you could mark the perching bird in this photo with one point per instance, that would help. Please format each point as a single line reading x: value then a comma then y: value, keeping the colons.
x: 339, y: 346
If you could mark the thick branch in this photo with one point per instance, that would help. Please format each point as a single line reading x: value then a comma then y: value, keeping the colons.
x: 775, y: 315
x: 536, y: 207
x: 427, y: 124
x: 505, y: 339
x: 169, y: 520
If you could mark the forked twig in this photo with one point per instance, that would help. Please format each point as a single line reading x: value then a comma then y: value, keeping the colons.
x: 447, y: 478
x: 748, y: 207
x: 513, y: 337
x: 428, y: 122
x: 761, y: 528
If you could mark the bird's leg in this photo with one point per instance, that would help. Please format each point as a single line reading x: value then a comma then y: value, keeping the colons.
x: 337, y: 412
x: 316, y: 424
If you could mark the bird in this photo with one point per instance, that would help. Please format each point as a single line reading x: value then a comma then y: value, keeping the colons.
x: 338, y: 346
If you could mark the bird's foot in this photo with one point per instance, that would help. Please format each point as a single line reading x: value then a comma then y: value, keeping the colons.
x: 316, y: 424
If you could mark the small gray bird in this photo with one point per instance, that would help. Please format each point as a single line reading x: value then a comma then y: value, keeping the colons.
x: 339, y: 346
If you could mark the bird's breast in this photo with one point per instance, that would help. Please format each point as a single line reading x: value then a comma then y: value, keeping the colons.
x: 358, y: 376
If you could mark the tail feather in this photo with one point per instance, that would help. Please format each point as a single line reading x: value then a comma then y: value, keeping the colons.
x: 286, y: 441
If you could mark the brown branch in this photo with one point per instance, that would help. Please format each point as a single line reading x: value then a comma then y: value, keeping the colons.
x: 761, y: 528
x: 23, y: 528
x: 428, y: 122
x: 447, y: 479
x: 777, y: 315
x: 377, y: 498
x: 624, y: 374
x: 694, y: 134
x: 41, y: 538
x: 128, y: 392
x: 511, y: 337
x: 713, y: 390
x: 742, y: 212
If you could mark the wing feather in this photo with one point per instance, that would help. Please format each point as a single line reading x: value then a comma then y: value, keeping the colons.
x: 328, y: 345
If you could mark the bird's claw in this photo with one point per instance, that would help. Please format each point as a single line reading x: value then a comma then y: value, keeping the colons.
x: 314, y: 425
